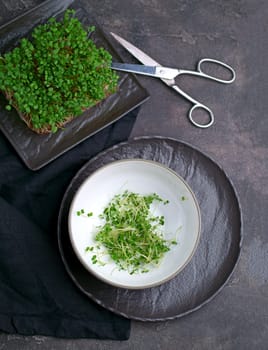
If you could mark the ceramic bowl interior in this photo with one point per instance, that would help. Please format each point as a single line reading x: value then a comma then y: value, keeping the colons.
x: 182, y: 218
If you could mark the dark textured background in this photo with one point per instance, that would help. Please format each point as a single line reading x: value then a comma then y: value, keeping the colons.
x: 178, y: 33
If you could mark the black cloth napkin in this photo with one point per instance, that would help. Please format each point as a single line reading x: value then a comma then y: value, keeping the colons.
x: 37, y: 295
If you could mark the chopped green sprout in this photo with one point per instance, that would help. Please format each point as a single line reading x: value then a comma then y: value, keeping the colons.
x: 82, y: 213
x: 131, y: 234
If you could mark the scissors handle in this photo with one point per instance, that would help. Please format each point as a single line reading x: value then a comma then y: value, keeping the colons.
x: 212, y: 77
x: 208, y: 112
x: 196, y: 105
x: 201, y: 73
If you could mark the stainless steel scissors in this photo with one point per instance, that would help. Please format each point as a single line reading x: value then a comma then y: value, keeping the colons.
x: 152, y: 68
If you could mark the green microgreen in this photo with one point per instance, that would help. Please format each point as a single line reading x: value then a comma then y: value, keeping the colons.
x: 56, y: 74
x: 131, y: 234
x: 82, y: 212
x: 89, y: 249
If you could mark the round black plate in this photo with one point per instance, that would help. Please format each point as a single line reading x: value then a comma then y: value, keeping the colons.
x: 216, y: 255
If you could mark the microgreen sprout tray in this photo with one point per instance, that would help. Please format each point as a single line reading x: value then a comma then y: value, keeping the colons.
x: 38, y: 150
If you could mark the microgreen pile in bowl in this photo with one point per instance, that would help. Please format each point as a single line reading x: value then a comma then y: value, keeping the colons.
x: 131, y: 234
x: 56, y: 74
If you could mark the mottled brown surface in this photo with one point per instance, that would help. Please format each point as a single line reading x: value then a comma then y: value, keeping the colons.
x: 178, y: 33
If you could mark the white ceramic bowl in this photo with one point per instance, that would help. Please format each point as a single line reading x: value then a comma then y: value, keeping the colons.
x: 182, y: 218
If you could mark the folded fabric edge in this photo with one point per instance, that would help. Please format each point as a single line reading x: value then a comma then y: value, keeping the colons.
x: 59, y: 327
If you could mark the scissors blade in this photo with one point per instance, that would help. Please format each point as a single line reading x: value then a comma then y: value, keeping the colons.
x: 141, y: 56
x: 137, y: 53
x: 152, y: 71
